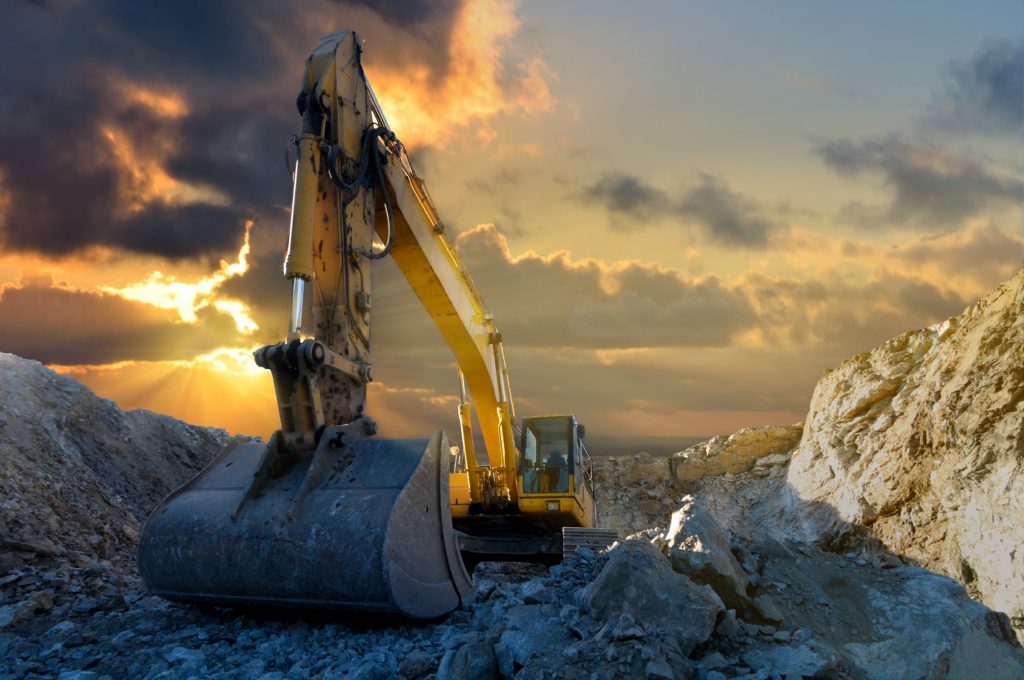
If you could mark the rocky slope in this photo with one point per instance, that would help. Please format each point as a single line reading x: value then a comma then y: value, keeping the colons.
x: 911, y: 453
x: 779, y: 552
x: 78, y: 473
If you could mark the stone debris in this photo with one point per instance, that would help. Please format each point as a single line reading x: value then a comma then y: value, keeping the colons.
x: 737, y: 565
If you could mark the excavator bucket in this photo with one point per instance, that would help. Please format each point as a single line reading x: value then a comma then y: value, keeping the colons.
x: 358, y: 525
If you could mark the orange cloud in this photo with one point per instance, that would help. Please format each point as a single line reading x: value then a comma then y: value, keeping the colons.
x: 165, y: 291
x: 165, y: 104
x: 427, y: 109
x: 145, y: 181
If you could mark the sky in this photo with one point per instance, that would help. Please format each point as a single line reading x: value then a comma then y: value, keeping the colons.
x: 679, y: 213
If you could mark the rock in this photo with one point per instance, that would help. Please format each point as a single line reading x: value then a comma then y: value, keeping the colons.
x: 773, y: 460
x: 626, y: 628
x: 535, y: 591
x: 736, y: 453
x: 37, y: 544
x: 798, y: 661
x: 728, y: 627
x: 415, y: 664
x: 183, y: 655
x: 658, y: 669
x: 959, y: 631
x: 698, y: 547
x: 713, y: 661
x: 15, y: 614
x: 471, y: 661
x: 639, y: 581
x: 918, y: 443
x: 60, y: 630
x: 532, y: 631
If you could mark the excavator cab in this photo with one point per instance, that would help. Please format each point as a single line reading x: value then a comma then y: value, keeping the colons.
x: 556, y: 474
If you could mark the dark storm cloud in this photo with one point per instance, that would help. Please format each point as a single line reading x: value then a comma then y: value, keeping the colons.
x: 628, y: 196
x: 59, y: 326
x: 724, y: 216
x: 235, y: 64
x: 728, y: 217
x: 984, y: 93
x: 409, y: 12
x: 928, y: 185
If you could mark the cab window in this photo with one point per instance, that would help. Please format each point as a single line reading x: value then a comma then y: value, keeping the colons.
x: 547, y: 455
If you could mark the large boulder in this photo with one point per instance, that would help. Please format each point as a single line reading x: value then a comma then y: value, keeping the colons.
x: 698, y: 547
x: 930, y: 628
x: 638, y: 581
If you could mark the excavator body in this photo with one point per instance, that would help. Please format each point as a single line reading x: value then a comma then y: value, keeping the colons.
x: 325, y: 515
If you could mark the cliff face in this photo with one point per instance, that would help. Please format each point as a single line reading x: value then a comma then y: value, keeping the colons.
x: 920, y: 445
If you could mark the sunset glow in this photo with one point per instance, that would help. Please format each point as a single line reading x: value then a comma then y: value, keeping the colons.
x: 164, y: 291
x: 679, y: 217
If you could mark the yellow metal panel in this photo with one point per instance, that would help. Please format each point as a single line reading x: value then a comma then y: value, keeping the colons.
x: 458, y: 485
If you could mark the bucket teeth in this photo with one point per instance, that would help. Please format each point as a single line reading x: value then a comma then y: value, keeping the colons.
x: 358, y: 524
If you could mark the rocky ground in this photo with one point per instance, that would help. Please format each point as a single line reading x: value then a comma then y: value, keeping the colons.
x: 878, y: 541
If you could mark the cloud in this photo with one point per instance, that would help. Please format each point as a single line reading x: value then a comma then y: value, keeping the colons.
x: 628, y: 196
x: 54, y: 324
x: 727, y: 217
x: 619, y: 343
x: 483, y: 79
x: 593, y: 304
x: 724, y: 216
x: 981, y: 253
x: 160, y: 129
x: 982, y: 94
x: 929, y: 185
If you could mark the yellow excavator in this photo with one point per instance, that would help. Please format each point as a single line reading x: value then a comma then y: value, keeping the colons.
x: 325, y: 515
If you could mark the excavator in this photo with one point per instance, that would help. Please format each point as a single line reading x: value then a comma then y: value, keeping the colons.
x: 326, y: 515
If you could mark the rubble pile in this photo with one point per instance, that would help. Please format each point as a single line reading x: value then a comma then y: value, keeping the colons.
x: 78, y: 476
x: 857, y: 546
